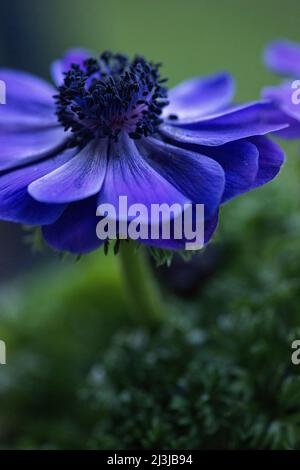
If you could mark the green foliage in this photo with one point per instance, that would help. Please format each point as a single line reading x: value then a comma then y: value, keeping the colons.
x: 161, y: 257
x: 54, y: 326
x: 190, y: 387
x: 34, y: 238
x: 165, y: 257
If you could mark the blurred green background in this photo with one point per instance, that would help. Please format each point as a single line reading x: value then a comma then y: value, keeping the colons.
x: 82, y: 371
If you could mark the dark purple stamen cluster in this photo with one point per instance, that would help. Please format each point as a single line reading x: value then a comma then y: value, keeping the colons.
x: 103, y: 97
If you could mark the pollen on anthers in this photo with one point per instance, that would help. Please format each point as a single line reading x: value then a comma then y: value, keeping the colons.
x: 111, y: 94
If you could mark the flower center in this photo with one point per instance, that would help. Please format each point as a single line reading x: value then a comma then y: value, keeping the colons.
x: 102, y: 97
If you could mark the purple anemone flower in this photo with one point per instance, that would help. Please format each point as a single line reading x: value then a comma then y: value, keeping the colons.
x: 109, y: 127
x: 283, y: 57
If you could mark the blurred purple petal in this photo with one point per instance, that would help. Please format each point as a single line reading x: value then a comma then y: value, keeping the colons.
x: 22, y: 147
x: 27, y: 92
x: 239, y: 161
x: 210, y: 226
x: 290, y: 132
x: 242, y: 122
x: 60, y: 66
x: 75, y: 230
x: 200, y: 96
x: 200, y: 178
x: 14, y: 120
x: 128, y: 174
x: 282, y: 95
x: 271, y: 158
x: 16, y: 205
x: 79, y: 178
x: 283, y: 57
x: 29, y: 102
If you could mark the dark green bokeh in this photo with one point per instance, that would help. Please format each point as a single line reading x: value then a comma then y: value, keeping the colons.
x: 81, y: 372
x: 191, y: 38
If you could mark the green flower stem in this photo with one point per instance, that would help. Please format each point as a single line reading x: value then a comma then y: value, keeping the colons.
x: 141, y: 290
